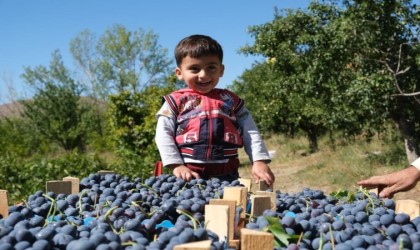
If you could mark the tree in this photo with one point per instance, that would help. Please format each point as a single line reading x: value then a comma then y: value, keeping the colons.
x: 133, y: 123
x: 55, y: 110
x: 130, y: 72
x: 120, y: 60
x: 335, y: 60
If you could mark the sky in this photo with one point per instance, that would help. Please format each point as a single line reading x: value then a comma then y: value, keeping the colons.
x: 30, y: 31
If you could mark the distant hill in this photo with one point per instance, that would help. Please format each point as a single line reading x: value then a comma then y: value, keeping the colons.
x: 15, y: 108
x: 12, y: 109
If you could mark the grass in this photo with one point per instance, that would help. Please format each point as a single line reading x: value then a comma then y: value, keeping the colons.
x: 333, y: 167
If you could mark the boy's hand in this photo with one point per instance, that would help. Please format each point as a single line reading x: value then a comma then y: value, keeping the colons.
x: 181, y: 171
x: 261, y: 171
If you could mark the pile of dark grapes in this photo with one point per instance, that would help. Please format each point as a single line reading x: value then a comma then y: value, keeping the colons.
x: 113, y: 212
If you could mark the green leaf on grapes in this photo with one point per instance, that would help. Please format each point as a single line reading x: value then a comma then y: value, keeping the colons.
x: 340, y: 194
x: 281, y: 238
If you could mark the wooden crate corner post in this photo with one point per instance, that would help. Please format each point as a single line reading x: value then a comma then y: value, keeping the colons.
x: 246, y: 182
x: 262, y: 186
x: 75, y: 184
x: 4, y: 203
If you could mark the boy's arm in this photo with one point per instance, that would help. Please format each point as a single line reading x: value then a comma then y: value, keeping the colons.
x: 165, y: 139
x: 253, y: 143
x: 255, y: 148
x: 169, y: 154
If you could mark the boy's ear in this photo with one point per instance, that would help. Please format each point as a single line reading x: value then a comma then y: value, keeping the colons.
x: 178, y: 73
x: 222, y: 70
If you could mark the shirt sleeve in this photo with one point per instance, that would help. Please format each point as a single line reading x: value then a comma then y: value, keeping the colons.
x: 253, y: 143
x: 416, y: 164
x: 164, y: 138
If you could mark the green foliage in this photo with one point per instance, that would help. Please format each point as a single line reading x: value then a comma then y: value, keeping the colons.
x: 27, y: 177
x: 55, y: 109
x: 18, y: 137
x: 133, y: 125
x: 120, y: 60
x: 336, y: 67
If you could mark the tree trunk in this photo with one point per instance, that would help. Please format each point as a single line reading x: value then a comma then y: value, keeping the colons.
x: 313, y: 140
x: 407, y: 131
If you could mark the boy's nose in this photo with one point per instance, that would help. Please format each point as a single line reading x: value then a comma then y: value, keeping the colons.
x: 202, y: 73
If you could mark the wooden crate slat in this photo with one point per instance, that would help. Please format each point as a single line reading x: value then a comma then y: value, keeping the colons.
x: 105, y: 172
x: 58, y: 187
x: 199, y: 245
x: 216, y: 218
x: 232, y: 205
x: 259, y: 205
x: 272, y: 196
x: 410, y: 207
x: 252, y: 239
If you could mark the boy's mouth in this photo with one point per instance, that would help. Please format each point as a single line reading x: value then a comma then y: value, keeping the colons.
x: 204, y: 83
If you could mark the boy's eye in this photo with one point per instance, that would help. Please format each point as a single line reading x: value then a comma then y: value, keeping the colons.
x: 194, y: 69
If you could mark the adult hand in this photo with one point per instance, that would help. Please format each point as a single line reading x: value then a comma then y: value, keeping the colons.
x: 393, y: 183
x: 181, y: 171
x: 260, y: 170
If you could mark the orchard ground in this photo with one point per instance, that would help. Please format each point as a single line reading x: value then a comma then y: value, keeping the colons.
x: 329, y: 170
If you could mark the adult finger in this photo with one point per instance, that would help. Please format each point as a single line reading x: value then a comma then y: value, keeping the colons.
x: 387, y: 192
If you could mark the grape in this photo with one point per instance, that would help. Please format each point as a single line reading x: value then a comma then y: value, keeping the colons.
x: 6, y: 246
x: 41, y: 245
x: 404, y: 240
x: 22, y: 245
x: 338, y: 225
x: 13, y: 218
x: 98, y: 239
x: 393, y: 231
x: 386, y: 219
x: 358, y: 241
x: 81, y: 244
x: 288, y: 221
x: 361, y: 217
x: 343, y: 246
x: 402, y: 218
x: 389, y: 203
x: 368, y: 229
x: 23, y: 234
x: 62, y: 240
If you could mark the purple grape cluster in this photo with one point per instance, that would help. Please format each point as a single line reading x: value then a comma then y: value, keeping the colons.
x: 113, y: 212
x: 360, y: 220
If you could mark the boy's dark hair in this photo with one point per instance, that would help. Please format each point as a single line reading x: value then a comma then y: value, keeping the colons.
x: 197, y: 46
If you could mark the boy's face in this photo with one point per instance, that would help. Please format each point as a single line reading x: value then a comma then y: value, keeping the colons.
x: 201, y: 74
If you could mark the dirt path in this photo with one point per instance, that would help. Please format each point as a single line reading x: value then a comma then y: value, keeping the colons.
x: 286, y: 179
x: 288, y: 182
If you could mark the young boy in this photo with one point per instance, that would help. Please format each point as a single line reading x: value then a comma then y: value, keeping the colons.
x: 200, y: 128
